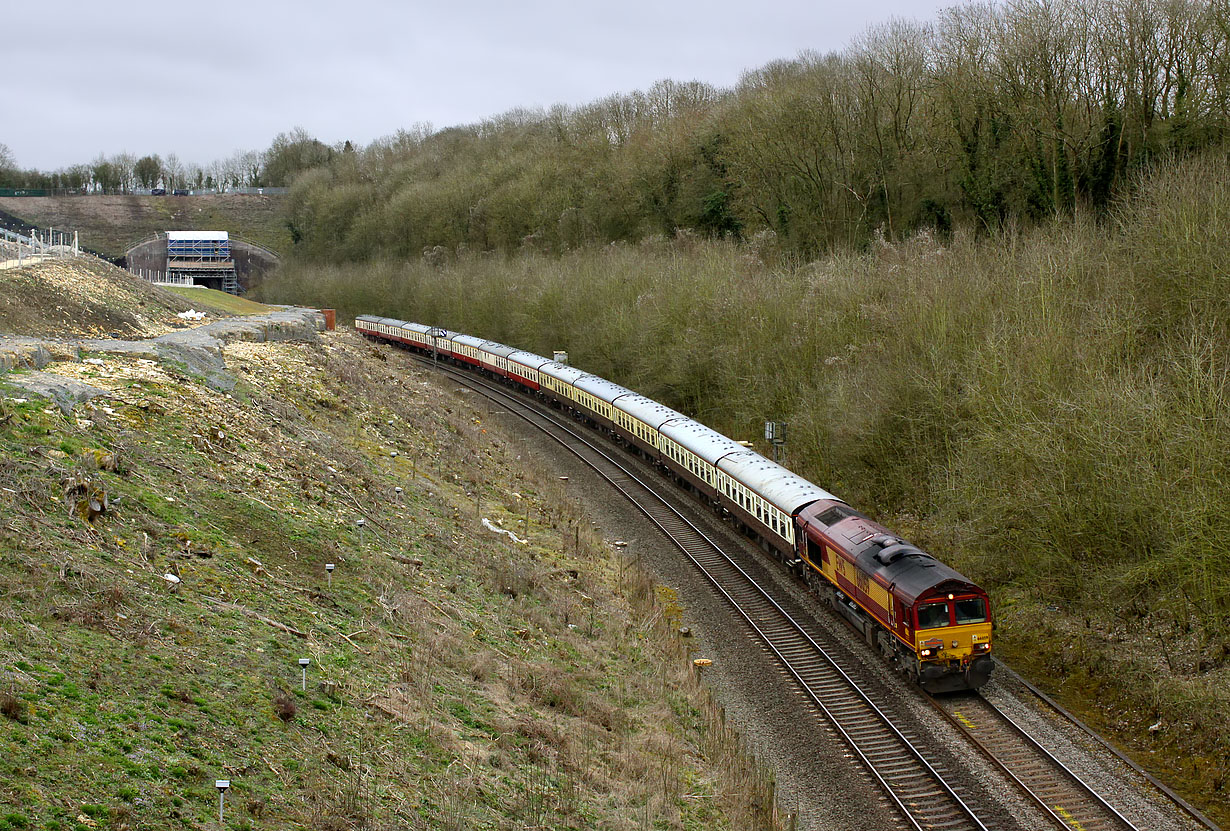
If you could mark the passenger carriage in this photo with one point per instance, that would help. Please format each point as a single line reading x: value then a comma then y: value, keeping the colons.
x: 465, y: 349
x: 691, y: 451
x: 418, y: 336
x: 600, y: 395
x: 560, y: 381
x: 523, y: 367
x: 385, y: 327
x: 493, y: 357
x: 638, y: 419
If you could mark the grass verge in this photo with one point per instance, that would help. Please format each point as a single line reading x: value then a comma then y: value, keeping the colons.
x: 162, y: 572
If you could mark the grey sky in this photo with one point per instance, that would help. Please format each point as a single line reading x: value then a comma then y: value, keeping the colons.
x: 203, y: 79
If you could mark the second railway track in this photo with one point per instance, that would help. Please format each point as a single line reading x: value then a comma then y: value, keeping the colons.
x: 919, y: 788
x: 1057, y: 790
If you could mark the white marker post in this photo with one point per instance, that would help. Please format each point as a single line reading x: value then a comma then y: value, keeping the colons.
x: 329, y: 568
x: 303, y: 662
x: 221, y: 785
x: 361, y: 522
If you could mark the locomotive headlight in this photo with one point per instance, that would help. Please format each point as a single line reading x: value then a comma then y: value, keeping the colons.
x: 982, y: 647
x: 926, y: 653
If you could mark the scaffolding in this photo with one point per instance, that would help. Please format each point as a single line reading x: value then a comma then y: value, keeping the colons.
x: 203, y: 257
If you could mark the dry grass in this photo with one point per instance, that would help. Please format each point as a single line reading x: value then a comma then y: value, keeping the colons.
x: 84, y: 296
x: 458, y: 679
x: 1049, y: 411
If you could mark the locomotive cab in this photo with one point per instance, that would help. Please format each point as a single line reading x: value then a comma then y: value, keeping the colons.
x: 952, y: 639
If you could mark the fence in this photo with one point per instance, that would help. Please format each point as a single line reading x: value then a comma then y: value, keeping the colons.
x: 18, y: 249
x: 160, y: 278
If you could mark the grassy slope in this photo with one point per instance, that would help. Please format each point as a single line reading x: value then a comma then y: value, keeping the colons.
x: 458, y: 680
x: 204, y: 299
x: 112, y: 224
x: 84, y: 296
x: 1049, y: 412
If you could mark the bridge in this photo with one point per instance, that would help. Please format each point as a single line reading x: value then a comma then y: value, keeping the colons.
x: 148, y: 259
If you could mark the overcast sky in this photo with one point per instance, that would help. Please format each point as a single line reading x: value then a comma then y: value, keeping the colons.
x: 204, y: 79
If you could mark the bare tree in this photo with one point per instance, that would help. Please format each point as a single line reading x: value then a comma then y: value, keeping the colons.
x: 174, y: 170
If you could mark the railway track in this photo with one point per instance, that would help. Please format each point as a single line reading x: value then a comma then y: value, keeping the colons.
x: 920, y: 789
x: 1057, y: 790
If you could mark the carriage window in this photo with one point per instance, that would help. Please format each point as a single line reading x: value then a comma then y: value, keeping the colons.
x: 971, y: 610
x: 932, y: 615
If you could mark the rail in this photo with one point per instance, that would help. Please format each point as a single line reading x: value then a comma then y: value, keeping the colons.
x: 1067, y: 799
x: 919, y: 790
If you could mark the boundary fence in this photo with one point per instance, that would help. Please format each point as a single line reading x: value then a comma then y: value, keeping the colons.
x: 160, y: 278
x: 18, y: 249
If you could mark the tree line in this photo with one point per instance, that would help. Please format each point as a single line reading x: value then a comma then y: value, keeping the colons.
x: 994, y: 114
x: 289, y: 154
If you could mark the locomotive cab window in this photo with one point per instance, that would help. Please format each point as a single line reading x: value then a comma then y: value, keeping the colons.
x: 932, y: 615
x: 971, y: 610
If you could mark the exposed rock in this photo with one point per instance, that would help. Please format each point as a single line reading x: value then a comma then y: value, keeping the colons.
x: 65, y: 392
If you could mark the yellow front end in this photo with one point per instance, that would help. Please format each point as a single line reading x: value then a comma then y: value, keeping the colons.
x: 954, y: 658
x: 954, y: 643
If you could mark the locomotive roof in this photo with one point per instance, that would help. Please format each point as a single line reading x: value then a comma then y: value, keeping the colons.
x: 785, y: 489
x: 601, y: 388
x: 562, y: 372
x: 705, y: 442
x: 906, y: 569
x: 648, y: 411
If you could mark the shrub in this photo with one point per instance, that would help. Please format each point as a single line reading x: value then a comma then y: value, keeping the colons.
x: 13, y: 707
x: 284, y: 706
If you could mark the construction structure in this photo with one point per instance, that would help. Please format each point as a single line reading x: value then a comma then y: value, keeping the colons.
x: 201, y: 258
x: 18, y: 249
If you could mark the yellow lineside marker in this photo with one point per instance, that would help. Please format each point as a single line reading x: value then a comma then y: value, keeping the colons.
x: 701, y: 662
x: 961, y: 718
x: 1068, y: 818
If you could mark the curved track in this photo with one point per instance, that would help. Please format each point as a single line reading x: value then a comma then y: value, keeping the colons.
x: 918, y: 787
x: 920, y: 790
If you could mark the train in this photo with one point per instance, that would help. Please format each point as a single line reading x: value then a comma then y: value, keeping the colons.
x: 927, y: 619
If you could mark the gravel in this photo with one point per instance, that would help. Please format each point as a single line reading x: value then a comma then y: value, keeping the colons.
x: 817, y: 776
x: 1130, y: 793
